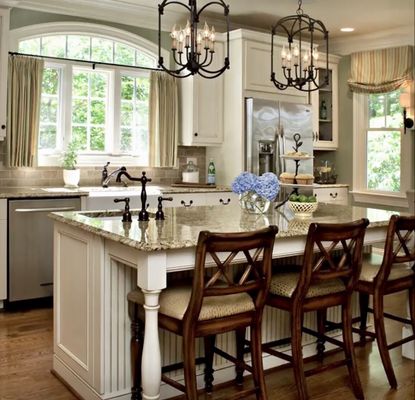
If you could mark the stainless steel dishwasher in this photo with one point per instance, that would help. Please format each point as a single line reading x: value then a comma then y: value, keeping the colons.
x: 30, y: 244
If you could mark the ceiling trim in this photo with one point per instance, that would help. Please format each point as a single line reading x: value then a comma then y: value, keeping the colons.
x: 401, y: 36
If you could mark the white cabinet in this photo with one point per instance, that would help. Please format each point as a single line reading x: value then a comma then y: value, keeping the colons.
x: 201, y: 107
x: 4, y: 29
x: 200, y: 199
x: 336, y: 195
x: 325, y: 123
x: 3, y: 251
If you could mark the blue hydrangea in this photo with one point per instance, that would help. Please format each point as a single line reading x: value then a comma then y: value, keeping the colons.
x: 244, y: 182
x: 267, y: 185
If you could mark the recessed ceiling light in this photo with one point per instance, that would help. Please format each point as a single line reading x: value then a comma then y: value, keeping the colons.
x: 347, y: 29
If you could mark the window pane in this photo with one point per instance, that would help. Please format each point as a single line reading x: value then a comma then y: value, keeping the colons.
x: 127, y: 88
x: 50, y: 81
x: 144, y: 60
x: 79, y: 47
x: 124, y: 54
x: 80, y: 84
x: 79, y: 111
x: 97, y: 139
x: 143, y: 89
x: 47, y: 137
x: 102, y: 50
x: 126, y: 139
x: 99, y: 85
x: 376, y: 111
x: 97, y: 112
x: 49, y: 109
x: 79, y: 136
x: 30, y: 46
x: 383, y: 160
x: 127, y: 109
x: 54, y: 46
x: 394, y: 110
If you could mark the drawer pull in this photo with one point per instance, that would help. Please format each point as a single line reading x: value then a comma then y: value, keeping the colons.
x: 223, y: 202
x: 334, y: 196
x: 186, y: 205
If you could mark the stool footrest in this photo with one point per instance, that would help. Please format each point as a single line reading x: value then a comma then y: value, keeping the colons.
x: 326, y: 367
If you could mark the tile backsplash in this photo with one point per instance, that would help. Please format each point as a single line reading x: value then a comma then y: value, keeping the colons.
x: 91, y: 176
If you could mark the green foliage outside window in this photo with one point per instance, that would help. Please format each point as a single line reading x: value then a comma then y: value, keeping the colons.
x: 384, y: 142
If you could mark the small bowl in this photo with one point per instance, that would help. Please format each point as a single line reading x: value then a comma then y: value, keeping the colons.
x: 302, y: 209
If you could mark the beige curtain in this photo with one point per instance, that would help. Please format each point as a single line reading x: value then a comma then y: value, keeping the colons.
x: 23, y: 109
x: 381, y: 71
x: 163, y: 120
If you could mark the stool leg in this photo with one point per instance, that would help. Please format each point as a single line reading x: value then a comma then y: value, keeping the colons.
x: 321, y: 328
x: 381, y: 339
x: 297, y: 355
x: 240, y: 345
x: 136, y: 346
x: 364, y: 305
x: 209, y: 342
x: 257, y: 367
x: 189, y: 355
x: 411, y: 295
x: 349, y: 350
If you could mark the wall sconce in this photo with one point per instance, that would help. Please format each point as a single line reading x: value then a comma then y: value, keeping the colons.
x: 405, y: 102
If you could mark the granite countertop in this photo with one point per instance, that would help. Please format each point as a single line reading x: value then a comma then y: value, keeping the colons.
x: 182, y: 225
x: 35, y: 192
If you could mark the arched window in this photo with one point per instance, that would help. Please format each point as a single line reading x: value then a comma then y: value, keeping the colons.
x: 103, y: 108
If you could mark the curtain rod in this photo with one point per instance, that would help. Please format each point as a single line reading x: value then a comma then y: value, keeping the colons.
x: 94, y: 63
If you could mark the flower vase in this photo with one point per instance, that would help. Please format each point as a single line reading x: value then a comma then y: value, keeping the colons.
x: 254, y: 203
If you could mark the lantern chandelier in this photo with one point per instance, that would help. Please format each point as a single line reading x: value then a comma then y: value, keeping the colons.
x: 299, y: 60
x: 193, y: 49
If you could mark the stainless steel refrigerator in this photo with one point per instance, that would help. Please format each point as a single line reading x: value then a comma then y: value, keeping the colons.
x: 270, y: 127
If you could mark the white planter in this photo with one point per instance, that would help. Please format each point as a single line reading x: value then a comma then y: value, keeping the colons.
x: 71, y: 177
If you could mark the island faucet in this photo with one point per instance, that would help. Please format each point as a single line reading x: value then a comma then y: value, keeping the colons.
x: 106, y: 177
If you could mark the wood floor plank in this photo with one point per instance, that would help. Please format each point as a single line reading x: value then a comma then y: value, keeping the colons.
x: 26, y: 360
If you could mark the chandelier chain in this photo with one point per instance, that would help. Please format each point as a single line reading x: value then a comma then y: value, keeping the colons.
x: 299, y: 9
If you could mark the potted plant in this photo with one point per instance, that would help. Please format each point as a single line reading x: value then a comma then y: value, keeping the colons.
x: 71, y: 174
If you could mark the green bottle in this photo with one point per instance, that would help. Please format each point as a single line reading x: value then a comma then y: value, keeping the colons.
x: 211, y: 178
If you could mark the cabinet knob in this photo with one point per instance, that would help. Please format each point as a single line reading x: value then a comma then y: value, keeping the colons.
x: 196, y: 134
x: 3, y: 127
x: 333, y: 195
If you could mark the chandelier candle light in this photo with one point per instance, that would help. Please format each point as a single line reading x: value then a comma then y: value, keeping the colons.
x: 193, y: 49
x: 297, y: 58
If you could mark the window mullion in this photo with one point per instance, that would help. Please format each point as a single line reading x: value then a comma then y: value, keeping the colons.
x: 67, y: 104
x: 116, y: 106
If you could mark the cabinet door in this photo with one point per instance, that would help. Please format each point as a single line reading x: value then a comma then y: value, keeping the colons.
x: 4, y: 29
x: 325, y: 111
x: 201, y: 102
x: 3, y: 250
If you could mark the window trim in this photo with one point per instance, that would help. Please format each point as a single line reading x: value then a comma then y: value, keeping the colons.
x: 97, y: 30
x: 360, y: 191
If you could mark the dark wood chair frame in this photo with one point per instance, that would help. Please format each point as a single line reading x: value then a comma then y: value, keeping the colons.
x: 401, y: 230
x: 255, y: 279
x: 319, y: 267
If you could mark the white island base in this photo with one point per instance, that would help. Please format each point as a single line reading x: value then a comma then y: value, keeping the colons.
x: 94, y: 273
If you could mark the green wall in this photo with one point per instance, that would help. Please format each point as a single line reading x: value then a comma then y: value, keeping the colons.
x: 20, y: 18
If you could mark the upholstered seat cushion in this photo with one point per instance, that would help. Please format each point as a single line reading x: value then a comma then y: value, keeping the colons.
x: 174, y: 301
x: 284, y: 284
x: 371, y: 266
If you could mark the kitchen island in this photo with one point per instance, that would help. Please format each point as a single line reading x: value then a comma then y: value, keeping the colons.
x: 98, y: 260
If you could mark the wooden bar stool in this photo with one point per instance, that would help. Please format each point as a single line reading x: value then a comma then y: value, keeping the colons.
x: 381, y: 276
x: 326, y: 279
x: 218, y: 303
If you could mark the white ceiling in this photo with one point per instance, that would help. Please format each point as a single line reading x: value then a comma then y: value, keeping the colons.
x: 368, y: 17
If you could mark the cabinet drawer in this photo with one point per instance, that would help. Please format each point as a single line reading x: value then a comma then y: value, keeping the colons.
x: 332, y: 195
x: 185, y: 200
x: 218, y: 198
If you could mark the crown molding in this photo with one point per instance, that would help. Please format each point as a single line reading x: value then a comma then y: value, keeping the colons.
x: 400, y: 36
x: 123, y: 12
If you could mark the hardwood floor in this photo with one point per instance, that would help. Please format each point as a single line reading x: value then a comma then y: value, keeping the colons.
x: 26, y: 360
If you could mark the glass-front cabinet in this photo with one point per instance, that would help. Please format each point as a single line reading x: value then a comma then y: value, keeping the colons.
x: 325, y: 110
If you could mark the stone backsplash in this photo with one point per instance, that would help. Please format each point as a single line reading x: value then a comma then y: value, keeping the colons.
x: 91, y: 176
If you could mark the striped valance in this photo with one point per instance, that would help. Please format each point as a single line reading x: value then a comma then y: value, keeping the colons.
x: 381, y: 71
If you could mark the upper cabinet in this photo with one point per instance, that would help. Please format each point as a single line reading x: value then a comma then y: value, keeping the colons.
x: 201, y: 106
x: 325, y: 110
x: 4, y: 30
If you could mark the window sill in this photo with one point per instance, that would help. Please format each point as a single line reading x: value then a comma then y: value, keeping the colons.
x: 384, y: 199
